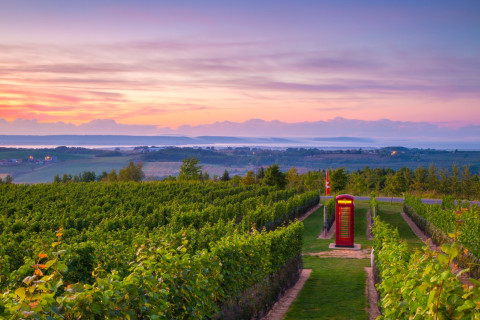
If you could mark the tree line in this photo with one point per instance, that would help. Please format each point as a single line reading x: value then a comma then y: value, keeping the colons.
x: 429, y: 182
x: 132, y: 172
x: 458, y: 182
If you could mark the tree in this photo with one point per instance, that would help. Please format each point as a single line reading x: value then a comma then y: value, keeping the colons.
x: 87, y: 176
x: 314, y: 180
x: 236, y: 180
x: 205, y: 176
x: 132, y: 172
x: 338, y: 180
x: 444, y: 185
x: 169, y: 178
x: 57, y: 179
x: 293, y: 178
x: 468, y: 190
x: 432, y: 178
x: 190, y: 170
x: 396, y: 184
x: 358, y: 183
x: 103, y: 176
x: 249, y: 178
x: 112, y: 176
x: 455, y: 181
x: 66, y: 178
x: 390, y: 187
x: 8, y: 179
x: 274, y: 177
x: 420, y: 179
x: 225, y: 176
x: 260, y: 173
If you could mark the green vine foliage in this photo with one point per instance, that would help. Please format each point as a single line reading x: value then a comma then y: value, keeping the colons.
x: 119, y: 252
x: 420, y: 284
x: 444, y: 217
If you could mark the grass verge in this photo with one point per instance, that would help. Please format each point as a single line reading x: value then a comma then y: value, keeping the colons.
x: 390, y: 213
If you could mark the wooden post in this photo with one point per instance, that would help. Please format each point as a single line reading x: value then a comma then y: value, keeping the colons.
x: 325, y: 219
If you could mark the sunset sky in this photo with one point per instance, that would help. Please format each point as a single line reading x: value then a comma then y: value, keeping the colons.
x: 171, y: 63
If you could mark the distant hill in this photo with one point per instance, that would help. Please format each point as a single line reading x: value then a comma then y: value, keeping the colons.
x: 324, y: 133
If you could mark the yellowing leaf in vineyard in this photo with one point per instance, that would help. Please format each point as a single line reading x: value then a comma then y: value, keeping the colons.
x: 20, y: 292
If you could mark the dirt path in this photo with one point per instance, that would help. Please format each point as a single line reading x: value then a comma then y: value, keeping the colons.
x: 309, y: 212
x: 281, y: 307
x: 348, y: 254
x: 419, y: 233
x: 371, y: 293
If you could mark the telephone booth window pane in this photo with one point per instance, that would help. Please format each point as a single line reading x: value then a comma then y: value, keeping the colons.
x: 344, y: 222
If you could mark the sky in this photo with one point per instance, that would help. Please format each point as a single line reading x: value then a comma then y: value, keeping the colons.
x: 168, y: 64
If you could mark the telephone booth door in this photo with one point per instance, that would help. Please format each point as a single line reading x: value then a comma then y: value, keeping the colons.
x: 344, y: 220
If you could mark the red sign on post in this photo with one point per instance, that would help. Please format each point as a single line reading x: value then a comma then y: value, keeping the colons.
x: 327, y: 185
x: 344, y: 220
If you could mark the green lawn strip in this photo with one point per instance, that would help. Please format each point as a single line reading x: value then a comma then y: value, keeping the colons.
x: 312, y: 227
x: 390, y: 213
x: 314, y: 223
x: 335, y: 290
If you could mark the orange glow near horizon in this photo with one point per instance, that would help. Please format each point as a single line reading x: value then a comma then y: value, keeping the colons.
x: 147, y: 108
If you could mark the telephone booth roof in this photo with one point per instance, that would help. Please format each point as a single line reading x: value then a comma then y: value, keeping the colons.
x: 345, y: 196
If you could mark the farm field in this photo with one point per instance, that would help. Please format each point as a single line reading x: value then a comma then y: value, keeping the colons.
x: 27, y: 173
x: 46, y: 173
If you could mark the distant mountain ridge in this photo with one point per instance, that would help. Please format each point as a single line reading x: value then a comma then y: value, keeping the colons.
x: 337, y: 130
x: 123, y: 140
x: 337, y: 127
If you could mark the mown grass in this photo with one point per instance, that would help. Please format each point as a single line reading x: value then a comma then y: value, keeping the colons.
x: 336, y: 287
x: 390, y: 213
x: 335, y: 290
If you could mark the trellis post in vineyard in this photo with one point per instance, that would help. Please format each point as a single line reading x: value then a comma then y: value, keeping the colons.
x: 327, y: 192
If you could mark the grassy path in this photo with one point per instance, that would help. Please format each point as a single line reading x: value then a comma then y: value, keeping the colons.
x: 335, y: 290
x: 390, y: 214
x: 336, y: 287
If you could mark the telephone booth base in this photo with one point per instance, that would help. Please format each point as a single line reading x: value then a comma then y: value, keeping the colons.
x: 355, y: 247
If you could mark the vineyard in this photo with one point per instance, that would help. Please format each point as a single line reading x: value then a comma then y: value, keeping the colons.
x: 440, y: 222
x: 426, y: 283
x: 160, y: 250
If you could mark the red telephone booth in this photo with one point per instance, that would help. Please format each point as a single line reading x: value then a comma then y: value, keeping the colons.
x: 344, y: 219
